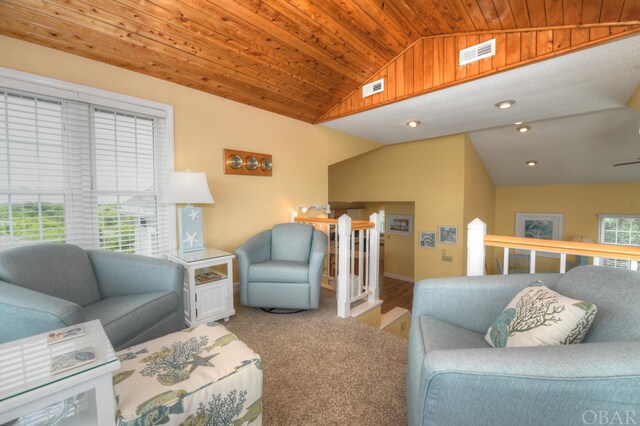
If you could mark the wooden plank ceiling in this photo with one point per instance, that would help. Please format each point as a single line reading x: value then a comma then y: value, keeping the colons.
x: 298, y: 58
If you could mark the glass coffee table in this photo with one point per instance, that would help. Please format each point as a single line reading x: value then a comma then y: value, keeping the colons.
x: 81, y: 395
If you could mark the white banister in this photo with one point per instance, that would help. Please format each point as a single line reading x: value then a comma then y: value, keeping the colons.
x: 374, y: 258
x: 477, y: 239
x: 476, y: 230
x: 356, y: 257
x: 344, y: 270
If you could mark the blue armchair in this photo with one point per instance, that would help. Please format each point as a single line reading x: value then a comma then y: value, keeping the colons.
x: 44, y: 287
x: 455, y: 378
x: 282, y: 267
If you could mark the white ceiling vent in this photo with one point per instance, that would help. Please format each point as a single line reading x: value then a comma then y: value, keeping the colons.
x: 477, y: 52
x: 373, y: 88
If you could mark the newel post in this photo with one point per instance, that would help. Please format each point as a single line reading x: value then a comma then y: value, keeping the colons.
x: 476, y: 230
x: 344, y: 272
x: 374, y: 258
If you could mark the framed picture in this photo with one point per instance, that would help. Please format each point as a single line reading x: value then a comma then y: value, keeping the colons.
x: 399, y: 224
x: 448, y: 234
x: 543, y: 226
x: 427, y: 239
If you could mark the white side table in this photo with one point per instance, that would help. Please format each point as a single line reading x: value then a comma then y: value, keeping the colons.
x: 206, y: 298
x: 27, y: 385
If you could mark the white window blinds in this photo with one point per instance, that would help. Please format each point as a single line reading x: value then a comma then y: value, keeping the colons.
x: 81, y: 173
x: 620, y: 230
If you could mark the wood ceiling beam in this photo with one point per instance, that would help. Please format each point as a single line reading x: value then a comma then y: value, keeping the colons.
x: 432, y: 63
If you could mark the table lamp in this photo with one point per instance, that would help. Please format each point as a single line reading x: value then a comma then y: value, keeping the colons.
x: 186, y: 188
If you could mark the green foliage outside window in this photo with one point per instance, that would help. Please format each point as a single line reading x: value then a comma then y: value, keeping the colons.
x: 33, y: 221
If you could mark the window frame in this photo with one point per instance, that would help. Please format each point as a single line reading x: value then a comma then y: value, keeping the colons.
x: 601, y: 218
x: 45, y: 86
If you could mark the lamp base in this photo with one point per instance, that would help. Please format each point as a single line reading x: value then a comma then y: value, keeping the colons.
x: 190, y: 229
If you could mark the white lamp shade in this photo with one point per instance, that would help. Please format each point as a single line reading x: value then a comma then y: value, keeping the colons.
x: 187, y: 188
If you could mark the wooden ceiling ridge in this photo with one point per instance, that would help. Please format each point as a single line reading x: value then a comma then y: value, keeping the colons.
x: 430, y: 63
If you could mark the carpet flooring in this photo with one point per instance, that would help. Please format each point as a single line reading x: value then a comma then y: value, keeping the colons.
x: 320, y: 369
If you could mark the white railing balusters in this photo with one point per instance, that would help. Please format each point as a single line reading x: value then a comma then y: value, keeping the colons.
x: 344, y: 260
x: 373, y: 273
x: 352, y: 287
x: 477, y: 239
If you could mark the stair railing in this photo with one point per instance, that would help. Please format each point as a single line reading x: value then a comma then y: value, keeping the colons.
x: 354, y: 252
x: 477, y: 240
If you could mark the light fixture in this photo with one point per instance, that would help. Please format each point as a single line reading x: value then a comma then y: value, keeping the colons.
x: 531, y: 163
x: 523, y: 129
x: 518, y: 123
x: 325, y: 207
x: 505, y: 104
x: 186, y: 188
x: 413, y: 123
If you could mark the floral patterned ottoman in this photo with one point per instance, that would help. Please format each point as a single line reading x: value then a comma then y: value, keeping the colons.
x: 198, y: 376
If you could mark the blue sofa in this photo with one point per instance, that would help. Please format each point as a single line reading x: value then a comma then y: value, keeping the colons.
x: 44, y: 287
x: 455, y: 378
x: 282, y: 267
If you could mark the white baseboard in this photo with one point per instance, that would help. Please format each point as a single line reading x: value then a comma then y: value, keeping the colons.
x: 399, y: 277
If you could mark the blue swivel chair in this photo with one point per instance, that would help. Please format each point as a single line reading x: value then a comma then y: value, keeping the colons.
x: 282, y: 267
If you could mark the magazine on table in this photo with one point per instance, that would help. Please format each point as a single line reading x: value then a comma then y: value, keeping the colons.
x: 73, y: 359
x: 65, y: 334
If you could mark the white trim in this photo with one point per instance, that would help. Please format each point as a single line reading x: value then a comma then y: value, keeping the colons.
x: 399, y: 277
x: 613, y: 216
x: 78, y: 92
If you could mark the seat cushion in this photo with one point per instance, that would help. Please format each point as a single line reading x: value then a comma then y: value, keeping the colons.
x: 291, y: 241
x: 438, y: 335
x: 198, y: 376
x: 59, y: 270
x: 281, y: 271
x: 125, y: 316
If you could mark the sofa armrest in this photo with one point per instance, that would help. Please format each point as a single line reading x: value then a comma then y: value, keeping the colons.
x: 120, y: 274
x: 25, y: 312
x: 470, y: 302
x: 256, y: 249
x: 316, y: 263
x: 539, y: 385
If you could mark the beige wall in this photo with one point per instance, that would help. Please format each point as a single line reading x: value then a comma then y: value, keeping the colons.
x: 429, y: 173
x: 580, y: 204
x: 479, y: 196
x: 399, y: 249
x: 204, y: 126
x: 634, y: 101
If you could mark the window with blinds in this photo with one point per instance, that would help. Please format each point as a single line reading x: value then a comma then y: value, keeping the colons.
x: 620, y: 230
x: 81, y: 173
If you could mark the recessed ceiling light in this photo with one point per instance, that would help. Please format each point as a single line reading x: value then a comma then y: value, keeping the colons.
x: 531, y: 163
x: 413, y: 123
x: 517, y: 123
x: 505, y: 104
x: 523, y: 129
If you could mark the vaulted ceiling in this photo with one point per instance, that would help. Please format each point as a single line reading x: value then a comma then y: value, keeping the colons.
x: 298, y: 58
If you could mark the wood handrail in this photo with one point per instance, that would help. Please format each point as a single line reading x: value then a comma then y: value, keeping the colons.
x: 356, y: 225
x: 568, y: 247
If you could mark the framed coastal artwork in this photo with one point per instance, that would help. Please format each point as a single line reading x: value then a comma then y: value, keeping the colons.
x: 427, y: 239
x: 399, y: 224
x: 543, y: 226
x: 448, y: 234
